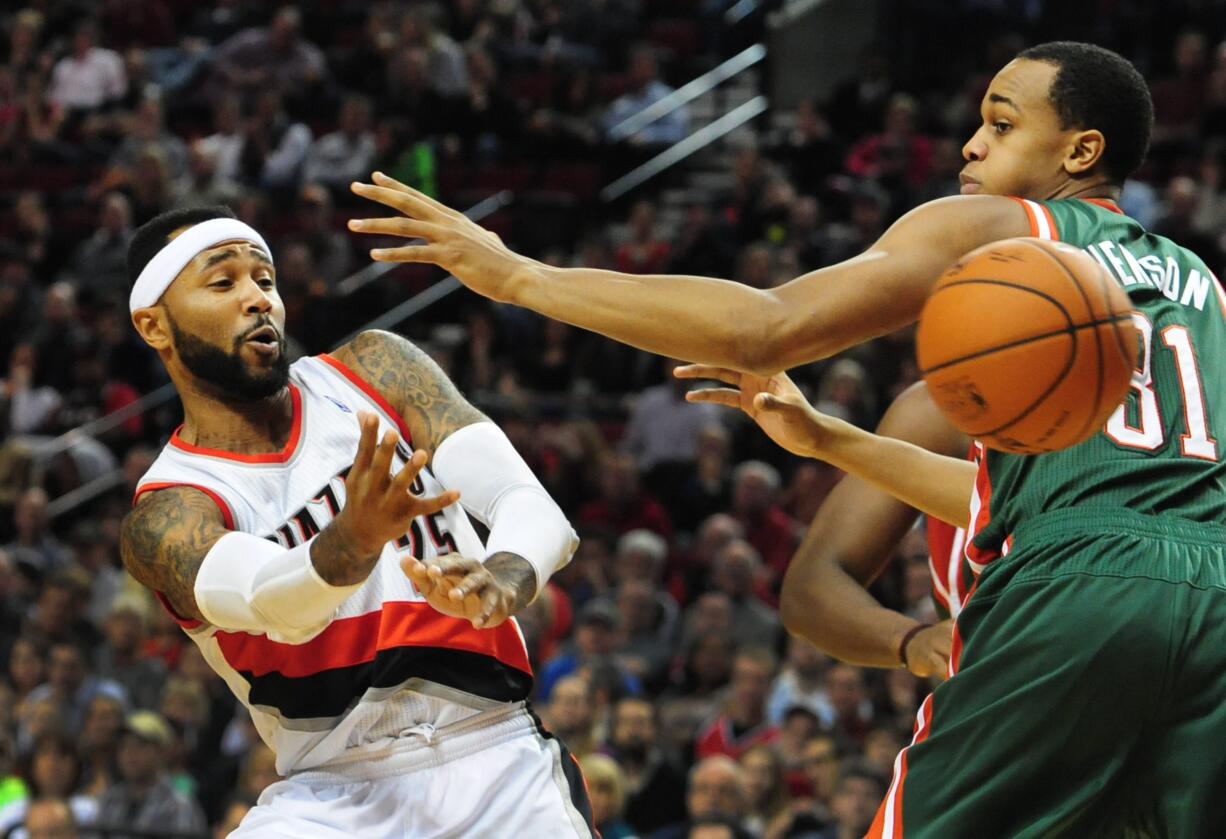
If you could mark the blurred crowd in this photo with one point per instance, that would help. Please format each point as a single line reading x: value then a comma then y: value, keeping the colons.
x: 659, y: 652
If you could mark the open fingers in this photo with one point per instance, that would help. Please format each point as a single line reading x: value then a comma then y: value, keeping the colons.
x: 491, y: 598
x: 456, y: 564
x: 369, y: 427
x: 411, y: 469
x: 406, y: 202
x: 429, y: 254
x: 716, y: 396
x: 391, y: 183
x: 381, y: 463
x: 435, y: 504
x: 402, y: 226
x: 473, y: 583
x: 708, y: 371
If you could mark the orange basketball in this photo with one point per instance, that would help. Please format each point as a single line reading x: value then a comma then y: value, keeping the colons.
x: 1027, y: 345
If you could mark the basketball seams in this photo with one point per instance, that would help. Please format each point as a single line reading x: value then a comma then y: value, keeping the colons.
x: 1098, y: 341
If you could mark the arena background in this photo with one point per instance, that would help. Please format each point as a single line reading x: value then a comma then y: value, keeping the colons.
x: 788, y: 136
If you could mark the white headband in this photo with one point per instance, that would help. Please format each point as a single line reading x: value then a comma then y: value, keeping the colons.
x: 161, y: 271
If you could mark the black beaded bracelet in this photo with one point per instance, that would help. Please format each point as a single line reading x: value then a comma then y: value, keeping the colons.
x: 906, y: 639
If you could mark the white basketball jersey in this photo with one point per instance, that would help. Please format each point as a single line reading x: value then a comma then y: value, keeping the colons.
x: 388, y: 661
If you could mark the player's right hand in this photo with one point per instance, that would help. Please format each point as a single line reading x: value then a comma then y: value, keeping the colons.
x: 379, y: 506
x: 928, y: 653
x: 774, y: 403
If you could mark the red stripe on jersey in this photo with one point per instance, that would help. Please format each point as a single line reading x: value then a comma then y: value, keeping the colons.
x: 186, y: 623
x: 1106, y: 205
x: 941, y: 535
x: 350, y: 641
x: 291, y: 445
x: 888, y: 823
x: 375, y: 396
x: 983, y: 512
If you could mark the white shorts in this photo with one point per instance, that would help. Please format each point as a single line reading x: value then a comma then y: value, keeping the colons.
x: 494, y: 774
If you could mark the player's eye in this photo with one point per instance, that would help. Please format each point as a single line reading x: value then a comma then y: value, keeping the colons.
x: 1001, y: 127
x: 221, y: 282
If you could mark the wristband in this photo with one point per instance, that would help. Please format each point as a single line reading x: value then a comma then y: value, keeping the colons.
x: 906, y: 641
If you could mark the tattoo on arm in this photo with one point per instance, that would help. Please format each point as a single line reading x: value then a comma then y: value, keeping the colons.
x: 516, y: 572
x: 165, y: 539
x: 338, y: 559
x: 416, y: 387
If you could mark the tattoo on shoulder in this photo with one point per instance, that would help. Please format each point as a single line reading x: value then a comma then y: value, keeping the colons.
x: 164, y: 540
x: 413, y: 383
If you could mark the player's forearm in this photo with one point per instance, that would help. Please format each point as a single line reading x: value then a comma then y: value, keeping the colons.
x: 823, y: 604
x: 517, y: 574
x: 696, y: 319
x: 340, y: 558
x: 934, y: 484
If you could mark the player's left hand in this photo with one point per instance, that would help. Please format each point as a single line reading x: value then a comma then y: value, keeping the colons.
x: 449, y: 239
x: 774, y: 403
x: 466, y: 588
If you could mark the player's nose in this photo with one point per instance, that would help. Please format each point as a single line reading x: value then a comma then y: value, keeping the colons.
x: 255, y: 298
x: 975, y: 149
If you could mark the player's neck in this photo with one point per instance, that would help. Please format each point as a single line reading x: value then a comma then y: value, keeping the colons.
x: 256, y: 427
x: 1096, y: 188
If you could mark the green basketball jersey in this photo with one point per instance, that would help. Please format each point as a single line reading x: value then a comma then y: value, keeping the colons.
x: 1163, y: 452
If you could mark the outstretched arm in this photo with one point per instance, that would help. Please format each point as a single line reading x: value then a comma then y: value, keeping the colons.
x: 698, y: 318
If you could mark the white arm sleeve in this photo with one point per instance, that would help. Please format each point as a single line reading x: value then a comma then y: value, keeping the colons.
x: 499, y: 489
x: 249, y: 584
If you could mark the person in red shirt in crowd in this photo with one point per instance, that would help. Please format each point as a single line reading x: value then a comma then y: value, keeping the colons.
x: 623, y: 505
x: 743, y: 724
x: 898, y: 152
x: 644, y: 252
x: 755, y: 486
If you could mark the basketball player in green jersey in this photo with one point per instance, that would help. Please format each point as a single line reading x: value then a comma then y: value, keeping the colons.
x: 1089, y: 673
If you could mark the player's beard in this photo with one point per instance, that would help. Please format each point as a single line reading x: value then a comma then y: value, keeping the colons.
x: 227, y: 371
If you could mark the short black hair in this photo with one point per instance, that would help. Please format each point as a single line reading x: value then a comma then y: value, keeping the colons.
x: 153, y: 235
x: 1098, y: 89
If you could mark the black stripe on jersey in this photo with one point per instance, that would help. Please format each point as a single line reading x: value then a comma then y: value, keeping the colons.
x: 330, y: 693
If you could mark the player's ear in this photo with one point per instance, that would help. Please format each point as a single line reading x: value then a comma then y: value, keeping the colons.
x: 1085, y: 151
x: 151, y: 325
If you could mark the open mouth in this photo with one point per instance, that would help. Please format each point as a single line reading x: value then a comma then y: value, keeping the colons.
x: 265, y: 336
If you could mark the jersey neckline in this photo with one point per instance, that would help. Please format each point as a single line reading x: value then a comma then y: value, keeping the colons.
x: 291, y: 445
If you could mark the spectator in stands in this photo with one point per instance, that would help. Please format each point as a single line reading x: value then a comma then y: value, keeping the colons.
x: 71, y: 686
x: 1177, y: 221
x: 645, y: 251
x: 329, y: 248
x: 800, y: 683
x: 53, y: 771
x: 100, y: 262
x: 743, y: 723
x: 898, y: 154
x: 623, y: 505
x: 736, y: 572
x: 119, y: 658
x: 347, y: 154
x: 224, y: 147
x: 570, y: 716
x: 597, y: 632
x: 23, y: 55
x: 764, y: 781
x: 655, y: 787
x: 486, y: 116
x: 274, y: 145
x: 148, y: 128
x: 1179, y: 98
x: 201, y: 187
x: 606, y: 787
x: 35, y: 544
x: 90, y: 76
x: 275, y: 57
x: 650, y: 620
x: 848, y: 696
x: 446, y: 69
x: 26, y: 407
x: 858, y: 793
x: 144, y: 800
x: 100, y: 743
x: 50, y: 818
x: 717, y: 788
x: 34, y: 237
x: 27, y: 666
x: 644, y: 90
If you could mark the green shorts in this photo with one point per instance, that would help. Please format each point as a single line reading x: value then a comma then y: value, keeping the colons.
x: 1090, y: 695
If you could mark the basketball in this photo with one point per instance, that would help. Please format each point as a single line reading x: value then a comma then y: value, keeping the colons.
x: 1027, y: 345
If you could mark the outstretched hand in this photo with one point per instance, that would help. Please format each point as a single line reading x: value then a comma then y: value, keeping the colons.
x: 468, y: 589
x: 448, y: 238
x: 774, y: 403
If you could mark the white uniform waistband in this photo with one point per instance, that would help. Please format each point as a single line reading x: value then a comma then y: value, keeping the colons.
x: 422, y: 747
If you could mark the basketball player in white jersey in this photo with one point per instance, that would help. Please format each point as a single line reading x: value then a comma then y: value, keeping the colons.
x: 292, y: 527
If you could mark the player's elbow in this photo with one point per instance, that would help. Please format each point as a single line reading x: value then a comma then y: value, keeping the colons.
x: 797, y: 606
x: 776, y: 335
